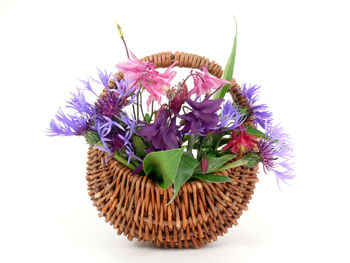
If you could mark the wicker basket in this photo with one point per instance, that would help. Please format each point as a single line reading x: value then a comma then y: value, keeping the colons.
x: 136, y: 206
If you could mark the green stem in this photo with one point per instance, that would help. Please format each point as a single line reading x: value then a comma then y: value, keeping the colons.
x: 237, y: 163
x: 150, y: 118
x: 138, y: 108
x: 133, y: 109
x: 191, y: 141
x: 143, y: 115
x: 123, y: 161
x: 119, y: 158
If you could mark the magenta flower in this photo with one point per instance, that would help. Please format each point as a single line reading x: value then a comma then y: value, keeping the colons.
x: 204, y: 83
x: 144, y: 74
x: 179, y: 99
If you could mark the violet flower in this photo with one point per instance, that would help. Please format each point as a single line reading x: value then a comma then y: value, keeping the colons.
x: 109, y: 105
x: 116, y: 136
x: 87, y: 86
x: 260, y: 112
x: 160, y: 134
x: 276, y: 153
x: 130, y: 131
x: 203, y: 117
x: 104, y: 77
x: 204, y: 83
x: 230, y: 117
x: 75, y: 124
x: 68, y: 125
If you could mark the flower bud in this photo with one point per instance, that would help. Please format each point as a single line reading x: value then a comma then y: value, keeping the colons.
x: 179, y: 97
x: 204, y: 164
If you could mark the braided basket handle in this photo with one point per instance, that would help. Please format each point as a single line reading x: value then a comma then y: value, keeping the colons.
x: 165, y: 59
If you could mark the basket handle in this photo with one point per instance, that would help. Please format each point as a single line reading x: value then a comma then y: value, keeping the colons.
x: 165, y: 59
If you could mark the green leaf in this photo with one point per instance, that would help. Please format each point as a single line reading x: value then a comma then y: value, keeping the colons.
x: 252, y: 131
x: 228, y: 71
x: 147, y: 118
x: 162, y: 166
x: 213, y: 178
x: 139, y: 146
x: 215, y: 163
x: 184, y: 172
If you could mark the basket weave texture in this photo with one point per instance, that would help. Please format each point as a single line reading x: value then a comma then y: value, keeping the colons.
x: 136, y: 205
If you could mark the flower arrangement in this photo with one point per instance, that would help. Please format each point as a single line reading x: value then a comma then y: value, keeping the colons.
x: 182, y: 131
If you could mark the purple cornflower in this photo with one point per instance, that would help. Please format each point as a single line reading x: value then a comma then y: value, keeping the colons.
x: 203, y: 117
x: 162, y: 135
x: 231, y: 117
x: 80, y: 105
x: 125, y: 90
x: 68, y: 125
x: 115, y: 137
x: 109, y: 105
x: 116, y: 99
x: 105, y: 129
x: 276, y: 153
x: 104, y: 77
x: 260, y: 112
x: 130, y: 130
x: 87, y: 86
x: 76, y: 124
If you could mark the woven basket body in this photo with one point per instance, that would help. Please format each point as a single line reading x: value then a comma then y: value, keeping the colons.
x: 136, y: 206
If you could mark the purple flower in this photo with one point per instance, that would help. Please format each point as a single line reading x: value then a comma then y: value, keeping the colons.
x: 116, y: 136
x: 76, y: 124
x: 130, y: 131
x: 276, y: 153
x: 162, y: 135
x: 110, y: 140
x: 87, y: 86
x: 203, y: 117
x: 260, y: 112
x: 80, y: 105
x: 231, y: 117
x: 104, y: 77
x: 109, y: 105
x: 67, y: 125
x: 125, y: 90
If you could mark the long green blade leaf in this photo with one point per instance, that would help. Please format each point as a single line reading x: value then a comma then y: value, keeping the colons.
x: 228, y: 71
x: 213, y: 178
x: 252, y: 131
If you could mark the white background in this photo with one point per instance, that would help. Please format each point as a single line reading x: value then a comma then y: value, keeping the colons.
x: 297, y: 50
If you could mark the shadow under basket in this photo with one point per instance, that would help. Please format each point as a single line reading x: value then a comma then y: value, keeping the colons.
x: 136, y: 206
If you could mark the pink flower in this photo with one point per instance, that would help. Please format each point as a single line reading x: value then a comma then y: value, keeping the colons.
x: 144, y: 74
x: 204, y: 83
